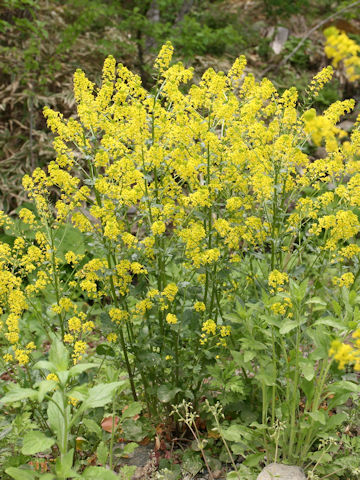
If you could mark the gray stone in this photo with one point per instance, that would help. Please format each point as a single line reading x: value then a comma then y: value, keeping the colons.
x: 346, y: 125
x: 277, y: 471
x: 281, y: 36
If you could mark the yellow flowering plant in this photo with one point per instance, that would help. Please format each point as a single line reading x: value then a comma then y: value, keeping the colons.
x: 217, y: 257
x: 343, y: 50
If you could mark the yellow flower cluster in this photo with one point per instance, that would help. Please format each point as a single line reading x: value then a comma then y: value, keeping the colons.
x: 209, y: 328
x: 282, y: 308
x: 340, y: 48
x: 277, y: 280
x: 320, y: 79
x: 346, y: 354
x: 171, y: 319
x: 184, y: 184
x: 112, y: 337
x: 346, y: 280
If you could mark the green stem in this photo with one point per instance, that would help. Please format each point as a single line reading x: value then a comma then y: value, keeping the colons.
x: 111, y: 453
x: 294, y: 405
x: 273, y: 398
x: 315, y: 407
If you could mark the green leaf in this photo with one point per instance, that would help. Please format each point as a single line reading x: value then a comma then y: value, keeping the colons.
x: 81, y: 367
x: 232, y: 476
x: 129, y: 449
x: 234, y: 433
x: 20, y: 473
x: 344, y: 385
x: 316, y: 301
x: 44, y: 365
x: 132, y: 430
x: 17, y: 393
x: 166, y: 393
x: 319, y: 416
x: 69, y: 238
x: 44, y: 387
x: 307, y: 369
x: 132, y: 410
x: 104, y: 349
x: 55, y: 416
x: 336, y: 420
x: 102, y: 394
x: 249, y: 355
x: 35, y: 442
x: 102, y: 453
x: 330, y: 322
x: 92, y: 427
x: 237, y: 356
x: 336, y: 307
x: 97, y: 473
x: 80, y: 393
x: 308, y: 388
x: 287, y: 326
x: 127, y: 472
x: 298, y: 292
x: 267, y: 375
x: 59, y: 355
x: 63, y: 466
x: 254, y: 459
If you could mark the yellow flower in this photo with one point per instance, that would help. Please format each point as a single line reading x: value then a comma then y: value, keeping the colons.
x: 346, y: 280
x: 158, y: 227
x: 163, y: 60
x: 340, y: 48
x: 277, y: 280
x: 27, y: 216
x: 79, y: 350
x: 112, y: 337
x: 170, y: 291
x: 171, y: 319
x: 52, y: 376
x: 199, y: 306
x: 68, y: 338
x: 209, y: 327
x: 320, y: 79
x: 73, y: 401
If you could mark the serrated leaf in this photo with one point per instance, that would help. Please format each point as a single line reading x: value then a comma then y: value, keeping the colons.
x: 97, y: 473
x: 233, y: 434
x: 254, y: 459
x: 102, y: 453
x: 316, y: 301
x: 166, y: 393
x: 287, y: 326
x: 59, y: 355
x: 92, y: 426
x: 129, y: 449
x: 45, y: 365
x: 307, y: 369
x: 319, y: 416
x: 104, y: 349
x: 17, y: 393
x: 35, y: 442
x: 44, y: 387
x: 102, y: 394
x: 133, y: 409
x: 20, y: 473
x: 63, y: 466
x: 81, y: 367
x: 55, y: 416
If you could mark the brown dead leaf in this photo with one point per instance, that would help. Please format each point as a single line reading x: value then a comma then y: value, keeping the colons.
x: 107, y: 423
